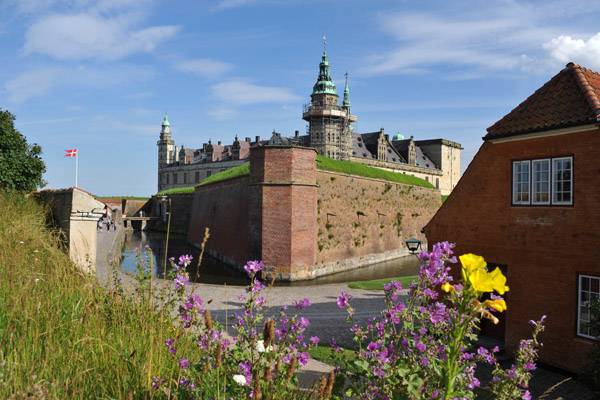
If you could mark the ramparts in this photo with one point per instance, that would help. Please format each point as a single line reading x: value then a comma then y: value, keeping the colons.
x: 303, y: 223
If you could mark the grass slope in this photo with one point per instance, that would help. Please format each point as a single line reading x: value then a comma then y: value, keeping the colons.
x: 352, y: 168
x: 61, y: 335
x: 324, y: 164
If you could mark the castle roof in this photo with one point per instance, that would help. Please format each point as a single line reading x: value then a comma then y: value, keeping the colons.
x: 569, y: 99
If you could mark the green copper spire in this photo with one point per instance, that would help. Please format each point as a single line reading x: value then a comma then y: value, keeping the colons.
x: 166, y: 121
x: 324, y: 83
x: 346, y: 102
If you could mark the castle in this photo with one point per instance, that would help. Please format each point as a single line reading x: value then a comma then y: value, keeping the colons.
x: 331, y: 132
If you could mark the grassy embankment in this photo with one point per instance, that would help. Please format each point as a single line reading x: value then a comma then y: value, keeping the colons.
x: 378, y: 283
x: 62, y: 336
x: 324, y: 164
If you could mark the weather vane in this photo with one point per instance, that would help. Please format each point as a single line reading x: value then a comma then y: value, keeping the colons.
x: 325, y: 42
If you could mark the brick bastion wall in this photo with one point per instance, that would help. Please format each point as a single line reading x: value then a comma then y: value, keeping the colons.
x: 303, y: 223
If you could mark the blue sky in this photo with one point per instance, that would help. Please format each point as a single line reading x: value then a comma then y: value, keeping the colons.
x: 99, y: 75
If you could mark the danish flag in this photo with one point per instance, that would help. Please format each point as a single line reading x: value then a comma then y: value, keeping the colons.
x: 71, y: 153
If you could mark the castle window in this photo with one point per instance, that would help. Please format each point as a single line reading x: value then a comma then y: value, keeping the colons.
x: 589, y: 291
x: 185, y: 177
x: 197, y: 176
x: 167, y: 175
x: 208, y: 173
x: 174, y: 177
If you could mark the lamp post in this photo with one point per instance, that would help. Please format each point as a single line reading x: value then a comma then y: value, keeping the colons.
x: 413, y: 245
x: 163, y: 199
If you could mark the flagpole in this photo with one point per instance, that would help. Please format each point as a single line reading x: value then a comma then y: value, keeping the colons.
x: 76, y: 165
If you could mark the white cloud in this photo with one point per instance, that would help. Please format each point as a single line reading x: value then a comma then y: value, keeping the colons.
x: 204, y: 67
x: 243, y: 93
x: 564, y: 49
x: 469, y: 42
x: 85, y: 36
x: 32, y: 83
x: 226, y: 4
x: 41, y: 81
x: 222, y: 113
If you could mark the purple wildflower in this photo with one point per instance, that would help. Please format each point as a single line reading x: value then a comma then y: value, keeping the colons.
x: 184, y: 363
x: 185, y: 260
x: 343, y: 300
x: 301, y: 304
x: 252, y: 267
x: 181, y: 281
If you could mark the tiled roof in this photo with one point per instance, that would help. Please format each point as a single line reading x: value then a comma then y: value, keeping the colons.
x: 570, y: 98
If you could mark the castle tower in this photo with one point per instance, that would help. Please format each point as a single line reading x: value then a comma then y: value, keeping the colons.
x: 165, y: 152
x: 329, y: 125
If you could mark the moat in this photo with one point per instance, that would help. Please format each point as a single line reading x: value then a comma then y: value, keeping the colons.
x: 210, y: 271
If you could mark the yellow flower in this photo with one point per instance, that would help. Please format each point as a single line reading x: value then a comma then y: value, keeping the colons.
x: 498, y: 305
x: 471, y: 262
x: 484, y: 281
x: 447, y: 287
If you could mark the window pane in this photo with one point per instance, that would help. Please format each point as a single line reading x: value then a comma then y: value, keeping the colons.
x: 521, y: 182
x: 541, y: 181
x: 562, y: 181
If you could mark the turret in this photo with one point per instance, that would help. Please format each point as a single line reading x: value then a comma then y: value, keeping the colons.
x: 235, y: 149
x: 209, y: 151
x: 165, y: 151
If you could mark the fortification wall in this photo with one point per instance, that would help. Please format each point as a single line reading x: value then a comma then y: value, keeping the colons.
x: 362, y: 221
x: 304, y: 223
x: 223, y: 209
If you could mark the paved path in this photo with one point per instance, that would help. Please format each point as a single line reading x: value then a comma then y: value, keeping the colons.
x: 326, y: 319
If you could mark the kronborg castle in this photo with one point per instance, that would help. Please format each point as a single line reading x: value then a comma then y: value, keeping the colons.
x: 331, y: 133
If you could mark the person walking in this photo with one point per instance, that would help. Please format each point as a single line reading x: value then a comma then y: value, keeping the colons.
x: 100, y: 224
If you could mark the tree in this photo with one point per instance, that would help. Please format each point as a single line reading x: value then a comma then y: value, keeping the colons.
x: 21, y: 167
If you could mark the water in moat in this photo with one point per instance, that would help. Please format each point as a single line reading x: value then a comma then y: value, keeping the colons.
x: 211, y: 271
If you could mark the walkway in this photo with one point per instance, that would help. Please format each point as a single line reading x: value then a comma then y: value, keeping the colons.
x: 326, y: 319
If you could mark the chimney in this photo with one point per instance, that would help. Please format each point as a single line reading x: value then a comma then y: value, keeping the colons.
x: 257, y: 139
x: 219, y: 143
x: 248, y: 139
x: 297, y: 133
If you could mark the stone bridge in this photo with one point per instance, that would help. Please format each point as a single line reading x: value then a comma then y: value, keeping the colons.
x: 127, y: 222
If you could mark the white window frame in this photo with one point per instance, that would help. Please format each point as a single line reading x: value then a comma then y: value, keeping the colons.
x: 584, y: 296
x: 554, y: 182
x: 522, y: 187
x: 534, y: 181
x: 516, y: 183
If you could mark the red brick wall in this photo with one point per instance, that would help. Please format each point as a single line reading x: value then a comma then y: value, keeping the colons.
x: 282, y: 214
x: 223, y: 208
x: 544, y: 247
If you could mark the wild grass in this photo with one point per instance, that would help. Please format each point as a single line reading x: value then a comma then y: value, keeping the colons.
x: 61, y: 335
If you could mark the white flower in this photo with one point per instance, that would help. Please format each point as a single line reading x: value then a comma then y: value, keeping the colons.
x: 260, y: 347
x: 239, y: 379
x: 21, y: 242
x: 37, y: 280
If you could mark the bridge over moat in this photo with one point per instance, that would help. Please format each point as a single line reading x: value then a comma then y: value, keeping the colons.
x: 128, y: 222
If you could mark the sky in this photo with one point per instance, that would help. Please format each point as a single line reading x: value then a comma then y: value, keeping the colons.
x: 100, y: 75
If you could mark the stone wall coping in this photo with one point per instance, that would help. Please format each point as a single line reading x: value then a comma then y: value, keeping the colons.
x: 374, y: 179
x: 282, y: 146
x: 229, y: 181
x: 398, y: 167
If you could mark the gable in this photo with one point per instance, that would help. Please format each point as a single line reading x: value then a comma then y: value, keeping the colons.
x: 570, y: 98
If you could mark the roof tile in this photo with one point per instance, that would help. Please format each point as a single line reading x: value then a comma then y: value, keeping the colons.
x: 570, y: 98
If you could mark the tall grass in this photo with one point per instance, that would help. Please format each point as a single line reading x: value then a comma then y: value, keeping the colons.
x: 61, y: 335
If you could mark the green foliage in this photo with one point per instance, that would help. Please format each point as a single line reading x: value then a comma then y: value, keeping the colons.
x: 444, y: 198
x: 21, y: 167
x: 328, y: 225
x: 591, y: 372
x: 377, y: 284
x: 387, y: 188
x: 351, y: 168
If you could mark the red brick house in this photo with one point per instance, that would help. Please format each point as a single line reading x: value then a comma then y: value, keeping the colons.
x: 530, y: 203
